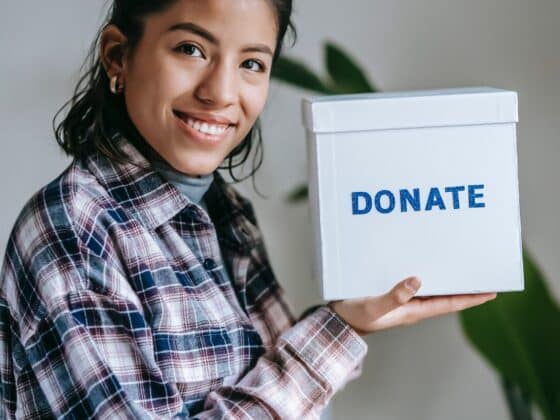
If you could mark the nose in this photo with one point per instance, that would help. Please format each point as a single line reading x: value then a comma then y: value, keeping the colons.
x: 218, y: 86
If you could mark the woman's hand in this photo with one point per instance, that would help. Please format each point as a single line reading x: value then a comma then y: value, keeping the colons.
x: 398, y: 307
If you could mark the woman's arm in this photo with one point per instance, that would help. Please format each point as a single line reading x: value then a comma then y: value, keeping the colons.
x: 298, y: 376
x: 91, y: 356
x: 85, y: 353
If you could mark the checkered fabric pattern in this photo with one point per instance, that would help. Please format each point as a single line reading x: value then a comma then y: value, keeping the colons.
x: 113, y: 304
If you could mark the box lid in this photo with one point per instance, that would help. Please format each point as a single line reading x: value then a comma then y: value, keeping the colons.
x: 421, y: 108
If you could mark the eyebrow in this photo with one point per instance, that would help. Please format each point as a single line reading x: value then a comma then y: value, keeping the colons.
x: 200, y: 31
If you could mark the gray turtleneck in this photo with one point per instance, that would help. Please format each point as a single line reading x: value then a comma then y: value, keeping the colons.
x: 192, y: 187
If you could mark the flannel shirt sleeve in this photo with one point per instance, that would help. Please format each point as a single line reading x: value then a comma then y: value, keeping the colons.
x: 55, y: 351
x: 90, y: 356
x: 69, y: 353
x: 294, y: 380
x: 310, y: 362
x: 66, y: 351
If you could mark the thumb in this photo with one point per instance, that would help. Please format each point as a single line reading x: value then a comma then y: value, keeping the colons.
x: 396, y: 297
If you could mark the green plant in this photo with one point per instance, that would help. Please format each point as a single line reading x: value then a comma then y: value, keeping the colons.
x: 518, y: 334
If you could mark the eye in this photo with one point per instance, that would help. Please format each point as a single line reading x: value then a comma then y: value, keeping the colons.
x: 190, y: 49
x: 254, y: 65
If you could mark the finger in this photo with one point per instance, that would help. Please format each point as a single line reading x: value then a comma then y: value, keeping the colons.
x: 455, y: 303
x: 399, y: 295
x: 441, y: 305
x: 420, y: 308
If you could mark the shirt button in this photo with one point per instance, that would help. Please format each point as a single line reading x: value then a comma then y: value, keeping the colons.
x: 192, y: 213
x: 209, y: 264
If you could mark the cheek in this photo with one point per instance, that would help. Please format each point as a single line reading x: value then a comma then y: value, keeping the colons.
x: 155, y: 85
x: 255, y: 100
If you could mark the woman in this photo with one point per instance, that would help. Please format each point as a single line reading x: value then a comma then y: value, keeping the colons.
x: 136, y: 285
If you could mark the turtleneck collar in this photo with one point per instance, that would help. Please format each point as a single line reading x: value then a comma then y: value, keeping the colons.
x: 193, y: 187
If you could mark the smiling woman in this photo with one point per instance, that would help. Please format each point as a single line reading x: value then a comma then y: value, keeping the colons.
x: 169, y: 54
x: 198, y: 79
x: 137, y: 284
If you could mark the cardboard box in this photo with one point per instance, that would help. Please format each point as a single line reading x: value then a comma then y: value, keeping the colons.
x: 415, y: 183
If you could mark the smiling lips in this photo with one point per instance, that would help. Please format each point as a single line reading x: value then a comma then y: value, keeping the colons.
x: 212, y: 126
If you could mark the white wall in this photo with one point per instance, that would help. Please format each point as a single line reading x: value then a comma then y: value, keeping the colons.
x: 423, y: 372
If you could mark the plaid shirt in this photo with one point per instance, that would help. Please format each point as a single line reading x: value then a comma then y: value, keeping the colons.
x: 113, y: 304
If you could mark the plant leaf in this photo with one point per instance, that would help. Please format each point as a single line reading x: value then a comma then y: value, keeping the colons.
x: 519, y: 406
x: 346, y: 75
x: 519, y: 335
x: 297, y: 74
x: 298, y: 194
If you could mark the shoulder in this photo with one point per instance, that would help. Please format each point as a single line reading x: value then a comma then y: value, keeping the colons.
x: 51, y: 214
x: 46, y: 216
x: 44, y: 253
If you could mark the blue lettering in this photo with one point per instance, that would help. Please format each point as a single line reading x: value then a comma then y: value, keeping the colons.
x: 434, y: 199
x: 391, y: 198
x: 355, y: 205
x: 411, y: 200
x: 473, y: 196
x: 406, y: 197
x: 455, y: 193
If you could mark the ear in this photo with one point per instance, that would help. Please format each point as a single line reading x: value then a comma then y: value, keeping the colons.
x: 112, y: 51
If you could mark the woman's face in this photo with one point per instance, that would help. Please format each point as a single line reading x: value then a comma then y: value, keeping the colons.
x: 199, y: 79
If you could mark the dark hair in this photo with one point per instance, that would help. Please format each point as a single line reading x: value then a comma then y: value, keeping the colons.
x: 96, y: 117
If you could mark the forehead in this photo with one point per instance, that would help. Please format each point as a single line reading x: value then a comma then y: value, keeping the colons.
x: 246, y: 21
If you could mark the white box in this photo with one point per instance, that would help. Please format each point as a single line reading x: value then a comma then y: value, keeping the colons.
x: 437, y: 171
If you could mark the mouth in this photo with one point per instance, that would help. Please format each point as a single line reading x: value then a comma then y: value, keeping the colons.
x: 208, y: 125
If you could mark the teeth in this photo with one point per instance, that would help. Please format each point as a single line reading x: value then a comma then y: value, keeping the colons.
x: 206, y: 128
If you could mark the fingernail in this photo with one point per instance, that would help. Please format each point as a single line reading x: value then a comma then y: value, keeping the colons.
x: 413, y: 284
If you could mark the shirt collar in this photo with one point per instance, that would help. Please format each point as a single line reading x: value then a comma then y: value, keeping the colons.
x: 153, y: 201
x: 135, y: 186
